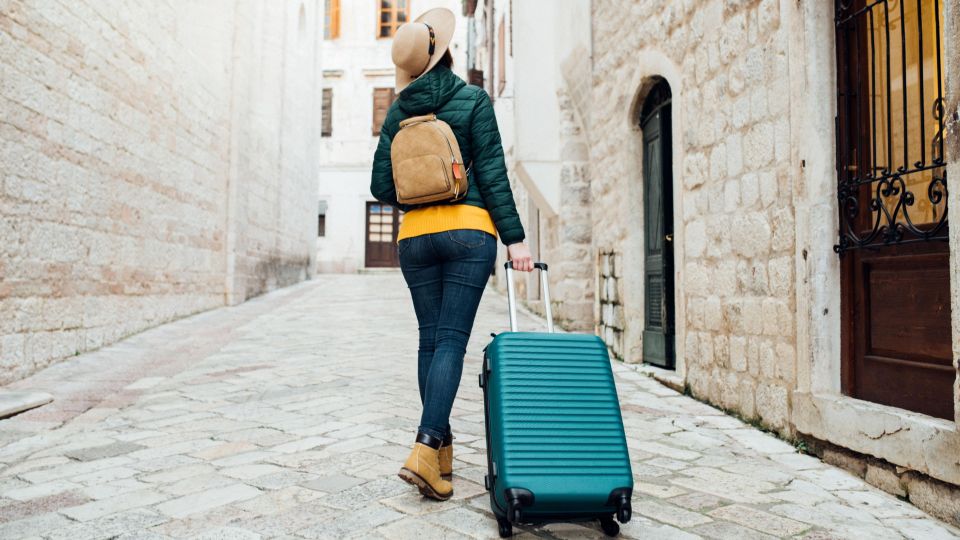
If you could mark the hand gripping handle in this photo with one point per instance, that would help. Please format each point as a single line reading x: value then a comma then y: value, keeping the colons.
x: 512, y: 300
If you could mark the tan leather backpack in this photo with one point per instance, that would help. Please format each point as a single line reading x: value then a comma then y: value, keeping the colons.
x: 427, y: 165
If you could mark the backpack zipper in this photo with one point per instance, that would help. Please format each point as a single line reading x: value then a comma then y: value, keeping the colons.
x: 456, y: 185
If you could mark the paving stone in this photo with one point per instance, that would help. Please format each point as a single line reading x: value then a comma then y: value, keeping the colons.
x: 759, y: 520
x: 278, y: 501
x: 723, y: 530
x: 374, y: 490
x: 879, y: 504
x: 657, y: 490
x: 112, y: 489
x: 105, y: 451
x: 410, y: 527
x: 920, y: 529
x: 16, y: 510
x: 245, y: 472
x: 37, y: 525
x: 640, y: 528
x: 103, y: 507
x: 213, y: 498
x: 464, y: 521
x: 299, y: 445
x: 197, y: 483
x: 41, y: 490
x: 224, y: 450
x: 697, y: 502
x: 280, y: 480
x: 354, y: 524
x: 227, y: 533
x: 669, y: 514
x: 333, y: 483
x: 110, y: 526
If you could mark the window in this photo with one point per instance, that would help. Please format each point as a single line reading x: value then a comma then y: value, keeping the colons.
x: 322, y: 219
x: 382, y: 99
x: 331, y: 19
x: 326, y: 114
x: 393, y: 13
x: 892, y: 175
x: 501, y: 58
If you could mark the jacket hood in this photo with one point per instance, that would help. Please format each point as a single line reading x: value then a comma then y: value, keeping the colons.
x: 430, y: 92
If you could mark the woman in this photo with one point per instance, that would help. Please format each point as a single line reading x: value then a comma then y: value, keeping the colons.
x: 447, y: 250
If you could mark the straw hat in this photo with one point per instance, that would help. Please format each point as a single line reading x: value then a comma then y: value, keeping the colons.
x: 419, y: 45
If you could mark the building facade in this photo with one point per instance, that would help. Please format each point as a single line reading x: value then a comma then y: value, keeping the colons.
x: 766, y: 204
x: 156, y: 161
x: 534, y: 61
x: 354, y: 231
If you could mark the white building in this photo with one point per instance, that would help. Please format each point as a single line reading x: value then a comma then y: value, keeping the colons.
x: 535, y: 59
x: 358, y: 89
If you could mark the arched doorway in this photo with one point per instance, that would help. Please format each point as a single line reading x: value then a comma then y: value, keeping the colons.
x: 659, y: 339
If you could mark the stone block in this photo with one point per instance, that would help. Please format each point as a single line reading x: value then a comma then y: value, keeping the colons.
x: 713, y: 314
x: 772, y: 403
x: 885, y: 477
x: 738, y: 353
x: 937, y: 498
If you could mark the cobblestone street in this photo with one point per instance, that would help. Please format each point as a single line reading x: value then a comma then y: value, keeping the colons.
x: 289, y: 416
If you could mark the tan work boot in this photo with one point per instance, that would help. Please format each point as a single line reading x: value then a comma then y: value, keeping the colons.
x: 446, y: 458
x: 422, y: 469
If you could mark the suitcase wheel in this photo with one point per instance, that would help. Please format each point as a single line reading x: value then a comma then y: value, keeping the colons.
x: 505, y: 529
x: 481, y: 380
x: 609, y: 526
x: 623, y: 513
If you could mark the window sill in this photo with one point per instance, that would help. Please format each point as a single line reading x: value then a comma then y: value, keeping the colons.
x: 907, y: 439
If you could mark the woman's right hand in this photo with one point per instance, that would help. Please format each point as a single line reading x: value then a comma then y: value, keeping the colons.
x: 519, y: 255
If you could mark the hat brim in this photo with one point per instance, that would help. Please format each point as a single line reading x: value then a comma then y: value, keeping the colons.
x: 443, y: 22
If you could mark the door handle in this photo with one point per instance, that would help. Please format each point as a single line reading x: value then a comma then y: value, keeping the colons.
x: 669, y: 237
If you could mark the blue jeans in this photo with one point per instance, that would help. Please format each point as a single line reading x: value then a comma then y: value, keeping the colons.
x: 446, y: 273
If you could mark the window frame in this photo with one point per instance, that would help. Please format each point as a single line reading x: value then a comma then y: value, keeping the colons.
x: 375, y: 126
x: 326, y: 113
x: 331, y: 19
x: 394, y: 10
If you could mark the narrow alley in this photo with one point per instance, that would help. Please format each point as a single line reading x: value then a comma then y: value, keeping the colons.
x: 288, y: 417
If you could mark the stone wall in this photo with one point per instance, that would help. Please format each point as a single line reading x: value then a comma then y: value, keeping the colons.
x: 156, y: 160
x: 610, y: 325
x: 952, y: 151
x: 726, y: 63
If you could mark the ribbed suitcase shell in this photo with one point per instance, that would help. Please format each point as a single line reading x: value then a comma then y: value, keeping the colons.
x: 553, y: 425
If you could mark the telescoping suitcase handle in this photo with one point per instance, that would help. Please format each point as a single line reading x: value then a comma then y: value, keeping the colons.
x: 512, y: 300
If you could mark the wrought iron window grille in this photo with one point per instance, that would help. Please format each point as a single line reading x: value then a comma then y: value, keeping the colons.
x: 891, y: 172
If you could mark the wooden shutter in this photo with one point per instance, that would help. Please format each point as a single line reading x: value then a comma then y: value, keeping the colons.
x: 501, y: 57
x: 326, y: 114
x: 382, y: 99
x: 331, y: 20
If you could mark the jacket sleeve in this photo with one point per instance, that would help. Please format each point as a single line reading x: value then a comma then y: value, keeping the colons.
x: 490, y: 171
x: 381, y: 179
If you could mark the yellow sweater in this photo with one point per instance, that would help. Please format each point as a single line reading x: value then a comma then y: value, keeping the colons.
x: 445, y: 217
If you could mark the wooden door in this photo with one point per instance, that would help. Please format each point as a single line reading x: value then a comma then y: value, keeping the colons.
x: 383, y: 223
x: 896, y: 333
x: 658, y: 333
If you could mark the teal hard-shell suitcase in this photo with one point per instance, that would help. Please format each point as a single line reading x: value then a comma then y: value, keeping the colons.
x: 556, y: 449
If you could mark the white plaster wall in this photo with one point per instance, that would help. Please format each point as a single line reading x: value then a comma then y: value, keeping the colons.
x: 355, y: 64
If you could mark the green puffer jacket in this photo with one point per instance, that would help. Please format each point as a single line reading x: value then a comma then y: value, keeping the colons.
x: 470, y: 114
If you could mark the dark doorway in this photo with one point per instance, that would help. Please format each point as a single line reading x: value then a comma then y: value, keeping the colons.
x: 658, y: 333
x: 383, y: 222
x: 892, y: 193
